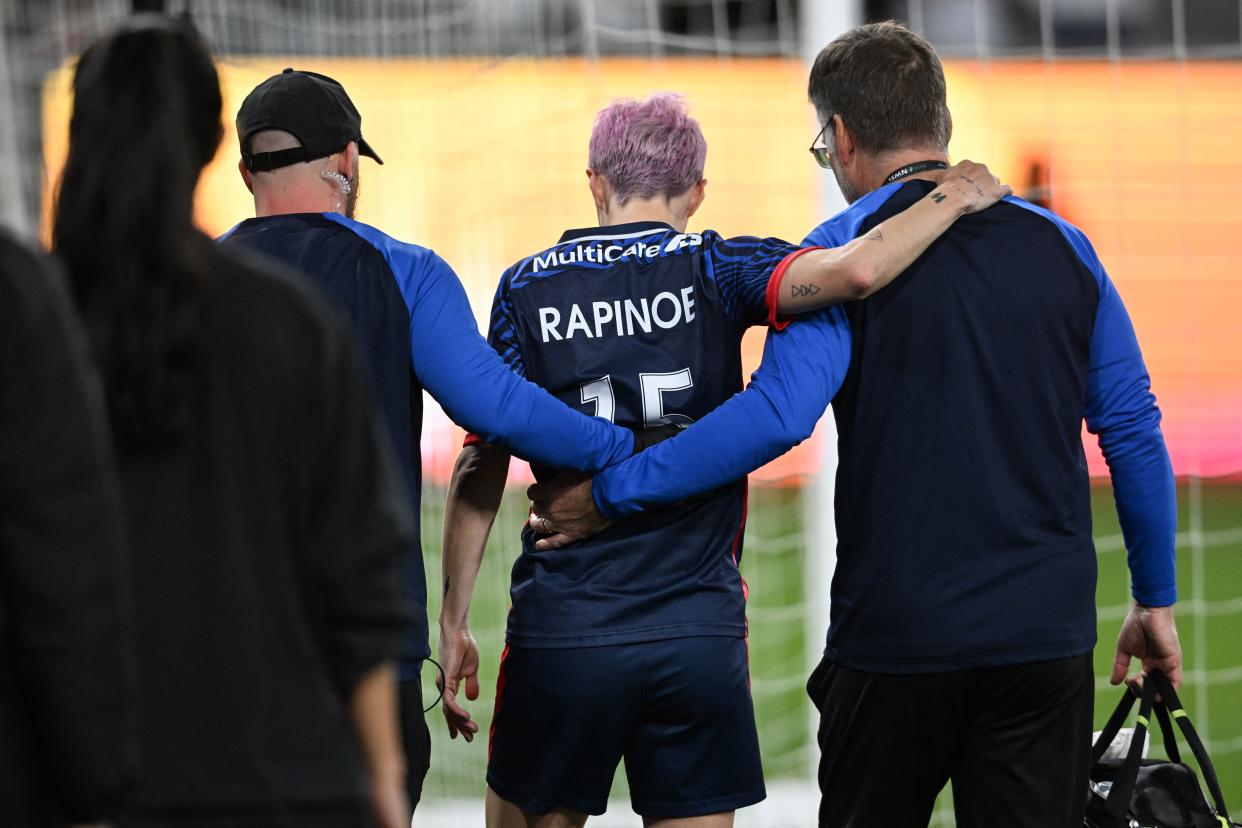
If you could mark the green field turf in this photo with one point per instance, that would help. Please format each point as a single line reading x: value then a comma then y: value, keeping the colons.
x: 1209, y: 618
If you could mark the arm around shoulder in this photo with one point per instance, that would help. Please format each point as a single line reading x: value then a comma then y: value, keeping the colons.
x: 802, y: 368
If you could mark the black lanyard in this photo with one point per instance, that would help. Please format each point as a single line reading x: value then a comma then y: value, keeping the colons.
x: 916, y: 167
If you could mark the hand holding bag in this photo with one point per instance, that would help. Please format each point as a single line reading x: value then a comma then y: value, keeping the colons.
x: 1152, y: 793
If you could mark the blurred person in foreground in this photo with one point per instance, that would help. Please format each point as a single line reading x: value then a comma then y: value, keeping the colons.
x: 67, y: 682
x: 632, y: 646
x: 266, y: 518
x: 301, y: 138
x: 963, y: 602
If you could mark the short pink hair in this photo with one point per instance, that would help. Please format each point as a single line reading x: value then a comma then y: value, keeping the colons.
x: 649, y: 147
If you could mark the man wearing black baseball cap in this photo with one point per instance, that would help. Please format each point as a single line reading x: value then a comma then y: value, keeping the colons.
x: 290, y: 121
x: 301, y: 138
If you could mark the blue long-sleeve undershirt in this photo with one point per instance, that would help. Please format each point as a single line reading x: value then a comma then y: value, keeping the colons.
x: 1122, y: 412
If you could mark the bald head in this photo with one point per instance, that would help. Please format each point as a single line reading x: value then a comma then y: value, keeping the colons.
x: 273, y: 140
x: 321, y: 185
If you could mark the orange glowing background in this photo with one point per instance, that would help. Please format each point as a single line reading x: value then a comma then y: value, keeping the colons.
x: 484, y: 161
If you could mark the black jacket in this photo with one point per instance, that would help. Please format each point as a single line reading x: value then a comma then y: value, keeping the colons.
x: 67, y: 741
x: 266, y: 550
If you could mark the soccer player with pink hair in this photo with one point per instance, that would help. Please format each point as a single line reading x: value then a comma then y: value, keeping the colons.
x: 632, y: 644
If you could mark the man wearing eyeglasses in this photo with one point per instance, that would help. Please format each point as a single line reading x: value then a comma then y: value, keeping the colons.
x: 963, y: 602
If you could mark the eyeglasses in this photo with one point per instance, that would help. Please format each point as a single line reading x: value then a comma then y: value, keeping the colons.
x: 822, y: 154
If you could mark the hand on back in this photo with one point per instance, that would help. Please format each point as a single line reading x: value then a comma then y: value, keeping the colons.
x: 564, y: 510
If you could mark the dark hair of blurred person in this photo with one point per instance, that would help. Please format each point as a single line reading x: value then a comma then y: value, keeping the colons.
x: 146, y: 120
x: 67, y: 696
x: 267, y: 521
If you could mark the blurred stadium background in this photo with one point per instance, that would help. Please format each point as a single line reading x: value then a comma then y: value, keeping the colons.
x: 1121, y: 115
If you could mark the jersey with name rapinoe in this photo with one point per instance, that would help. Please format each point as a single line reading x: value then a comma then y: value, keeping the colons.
x: 641, y: 325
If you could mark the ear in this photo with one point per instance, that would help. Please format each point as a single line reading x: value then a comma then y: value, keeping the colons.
x: 843, y: 139
x: 600, y: 191
x: 245, y: 174
x: 950, y: 135
x: 697, y: 193
x: 347, y: 160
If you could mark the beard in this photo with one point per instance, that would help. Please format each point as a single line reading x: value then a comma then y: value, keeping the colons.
x: 351, y: 200
x: 848, y: 190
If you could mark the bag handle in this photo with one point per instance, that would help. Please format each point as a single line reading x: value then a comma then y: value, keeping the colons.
x: 1113, y: 726
x: 1118, y: 718
x: 1118, y: 802
x: 1166, y: 732
x: 1162, y: 684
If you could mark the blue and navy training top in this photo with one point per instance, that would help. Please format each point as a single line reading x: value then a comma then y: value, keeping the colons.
x: 962, y: 504
x: 417, y: 331
x: 640, y: 325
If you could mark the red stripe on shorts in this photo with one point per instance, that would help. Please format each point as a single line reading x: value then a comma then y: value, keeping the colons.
x: 500, y: 689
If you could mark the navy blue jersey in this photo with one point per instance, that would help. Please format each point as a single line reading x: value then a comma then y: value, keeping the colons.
x: 640, y: 325
x: 416, y: 329
x: 962, y: 476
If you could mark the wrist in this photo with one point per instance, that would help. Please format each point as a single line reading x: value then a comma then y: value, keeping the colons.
x: 953, y: 197
x: 454, y: 623
x: 599, y: 496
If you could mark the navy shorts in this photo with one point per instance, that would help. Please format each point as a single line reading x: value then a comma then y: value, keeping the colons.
x: 678, y: 711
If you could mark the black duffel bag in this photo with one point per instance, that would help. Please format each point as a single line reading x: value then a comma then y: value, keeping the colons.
x: 1134, y: 792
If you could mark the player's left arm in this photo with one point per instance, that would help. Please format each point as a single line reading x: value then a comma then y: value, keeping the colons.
x: 1121, y: 410
x: 474, y: 495
x: 813, y: 278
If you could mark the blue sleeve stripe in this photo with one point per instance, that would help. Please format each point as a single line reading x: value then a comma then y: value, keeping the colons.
x: 404, y: 260
x: 1076, y: 238
x: 470, y: 380
x: 845, y: 225
x: 742, y: 267
x: 1122, y: 411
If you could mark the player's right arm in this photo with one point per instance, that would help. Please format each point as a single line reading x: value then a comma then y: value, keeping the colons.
x: 474, y: 495
x: 819, y: 277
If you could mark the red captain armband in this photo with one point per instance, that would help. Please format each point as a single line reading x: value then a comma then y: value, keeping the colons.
x: 774, y: 288
x: 472, y: 440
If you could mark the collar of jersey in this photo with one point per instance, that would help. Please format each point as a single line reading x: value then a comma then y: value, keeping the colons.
x: 615, y: 231
x: 285, y: 219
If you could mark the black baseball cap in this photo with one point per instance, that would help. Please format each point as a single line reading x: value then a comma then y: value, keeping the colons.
x: 312, y: 107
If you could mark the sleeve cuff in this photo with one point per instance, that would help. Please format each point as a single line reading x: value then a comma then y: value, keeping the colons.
x: 774, y: 288
x: 1158, y: 598
x: 600, y: 496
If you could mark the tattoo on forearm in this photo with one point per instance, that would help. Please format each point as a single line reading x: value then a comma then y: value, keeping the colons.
x: 875, y: 235
x: 803, y: 290
x: 447, y: 582
x: 938, y: 197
